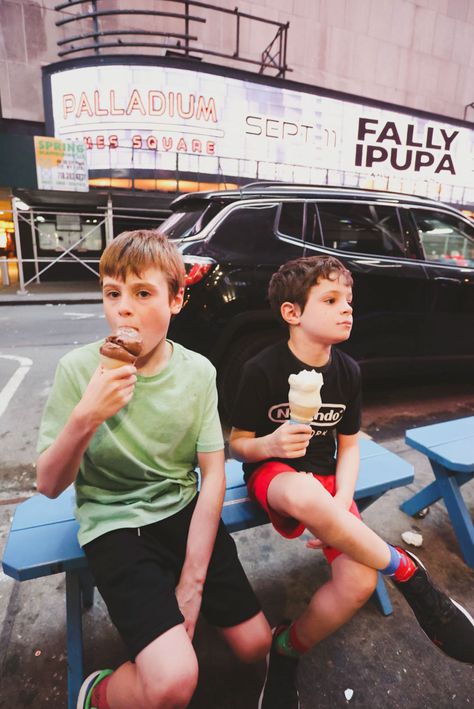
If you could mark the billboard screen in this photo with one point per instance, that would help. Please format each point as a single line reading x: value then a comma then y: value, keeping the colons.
x: 152, y: 117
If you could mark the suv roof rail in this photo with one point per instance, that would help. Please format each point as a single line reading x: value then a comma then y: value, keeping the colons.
x: 264, y: 185
x: 274, y: 189
x: 260, y: 185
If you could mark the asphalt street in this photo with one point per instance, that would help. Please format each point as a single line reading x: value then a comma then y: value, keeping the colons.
x: 387, y: 662
x: 40, y: 334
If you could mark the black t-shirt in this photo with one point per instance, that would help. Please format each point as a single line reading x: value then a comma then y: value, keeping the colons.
x: 262, y: 405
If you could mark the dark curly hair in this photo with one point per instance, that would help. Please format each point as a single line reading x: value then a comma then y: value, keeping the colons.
x: 293, y: 281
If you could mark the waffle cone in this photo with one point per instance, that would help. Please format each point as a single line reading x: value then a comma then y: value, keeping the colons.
x: 302, y: 414
x: 110, y: 363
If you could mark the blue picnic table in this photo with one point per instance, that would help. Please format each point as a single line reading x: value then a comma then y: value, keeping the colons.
x: 449, y: 447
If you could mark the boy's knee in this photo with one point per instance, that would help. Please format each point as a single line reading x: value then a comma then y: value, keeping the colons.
x: 366, y: 585
x: 358, y: 583
x: 255, y: 648
x: 173, y: 691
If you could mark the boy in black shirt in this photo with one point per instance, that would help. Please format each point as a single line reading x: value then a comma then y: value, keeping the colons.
x: 293, y: 471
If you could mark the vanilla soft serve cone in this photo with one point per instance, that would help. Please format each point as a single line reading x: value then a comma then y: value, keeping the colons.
x: 305, y: 397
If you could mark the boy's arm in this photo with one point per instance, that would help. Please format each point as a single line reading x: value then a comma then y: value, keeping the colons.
x: 287, y: 441
x: 347, y: 467
x: 201, y: 537
x: 107, y: 392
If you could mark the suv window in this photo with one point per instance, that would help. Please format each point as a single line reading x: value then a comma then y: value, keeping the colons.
x: 190, y: 221
x: 361, y: 228
x: 246, y: 229
x: 445, y: 238
x: 290, y: 222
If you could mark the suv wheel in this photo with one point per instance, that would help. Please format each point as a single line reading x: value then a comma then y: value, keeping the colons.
x: 230, y: 368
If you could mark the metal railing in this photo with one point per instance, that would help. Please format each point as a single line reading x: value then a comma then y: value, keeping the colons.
x: 102, y: 37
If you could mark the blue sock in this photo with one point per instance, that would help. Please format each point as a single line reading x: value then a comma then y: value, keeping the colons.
x: 395, y: 559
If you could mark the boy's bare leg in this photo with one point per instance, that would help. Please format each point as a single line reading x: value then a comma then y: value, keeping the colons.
x: 164, y: 675
x: 303, y: 497
x: 334, y: 603
x: 251, y: 640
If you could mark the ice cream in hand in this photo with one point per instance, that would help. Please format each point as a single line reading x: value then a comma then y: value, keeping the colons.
x: 305, y: 397
x: 121, y: 347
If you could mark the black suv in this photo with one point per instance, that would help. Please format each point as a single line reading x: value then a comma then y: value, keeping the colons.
x: 412, y: 260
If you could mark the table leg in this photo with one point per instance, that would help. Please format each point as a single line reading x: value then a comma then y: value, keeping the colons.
x: 75, y: 669
x: 457, y: 510
x: 381, y: 594
x: 87, y: 588
x: 426, y: 497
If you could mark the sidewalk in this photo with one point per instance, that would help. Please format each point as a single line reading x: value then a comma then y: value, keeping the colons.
x: 386, y: 661
x: 52, y: 292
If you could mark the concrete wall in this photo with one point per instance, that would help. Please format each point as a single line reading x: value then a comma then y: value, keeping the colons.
x: 27, y: 42
x: 417, y: 53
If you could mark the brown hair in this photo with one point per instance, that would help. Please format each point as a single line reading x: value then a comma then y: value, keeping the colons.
x: 293, y: 281
x: 135, y: 251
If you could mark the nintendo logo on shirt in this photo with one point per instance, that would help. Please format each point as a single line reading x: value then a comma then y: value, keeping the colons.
x: 328, y: 414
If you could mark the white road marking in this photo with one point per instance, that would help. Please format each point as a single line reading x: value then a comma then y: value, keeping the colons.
x: 79, y: 316
x: 15, y: 380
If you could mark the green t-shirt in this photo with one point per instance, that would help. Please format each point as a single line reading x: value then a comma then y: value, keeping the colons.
x: 139, y: 466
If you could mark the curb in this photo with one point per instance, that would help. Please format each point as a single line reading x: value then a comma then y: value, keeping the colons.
x: 53, y: 300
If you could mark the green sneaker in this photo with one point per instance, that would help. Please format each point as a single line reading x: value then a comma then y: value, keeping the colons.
x: 85, y: 692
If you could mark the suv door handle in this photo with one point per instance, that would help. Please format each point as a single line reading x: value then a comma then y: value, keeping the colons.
x: 445, y: 279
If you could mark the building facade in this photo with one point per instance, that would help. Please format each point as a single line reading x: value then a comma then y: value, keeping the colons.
x: 170, y: 97
x: 413, y: 53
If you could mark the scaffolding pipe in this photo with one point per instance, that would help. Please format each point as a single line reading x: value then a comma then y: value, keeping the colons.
x: 109, y: 221
x: 35, y: 248
x: 19, y: 256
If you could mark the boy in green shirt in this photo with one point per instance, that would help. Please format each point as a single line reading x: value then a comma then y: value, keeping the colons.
x: 129, y: 438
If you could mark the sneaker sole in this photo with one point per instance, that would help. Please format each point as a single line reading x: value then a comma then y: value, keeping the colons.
x: 463, y: 610
x: 411, y: 555
x: 440, y: 649
x: 267, y: 663
x: 85, y: 688
x: 260, y: 701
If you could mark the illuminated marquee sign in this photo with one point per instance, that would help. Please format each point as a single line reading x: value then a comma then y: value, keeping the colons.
x: 400, y: 148
x: 149, y: 117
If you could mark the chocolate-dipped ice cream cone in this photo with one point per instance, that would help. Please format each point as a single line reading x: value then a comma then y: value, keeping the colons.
x: 123, y: 346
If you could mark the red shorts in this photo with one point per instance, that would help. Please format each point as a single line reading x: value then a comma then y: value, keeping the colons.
x: 289, y: 527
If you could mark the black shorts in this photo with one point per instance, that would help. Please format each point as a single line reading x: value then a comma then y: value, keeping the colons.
x: 136, y: 572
